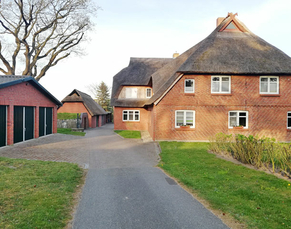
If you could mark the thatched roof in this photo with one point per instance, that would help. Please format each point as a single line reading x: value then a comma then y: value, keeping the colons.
x: 137, y: 73
x: 224, y: 53
x: 78, y: 96
x: 10, y: 80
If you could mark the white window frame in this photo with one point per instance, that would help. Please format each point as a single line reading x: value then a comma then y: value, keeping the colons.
x: 147, y: 93
x: 193, y: 89
x: 134, y: 113
x: 220, y: 85
x: 268, y: 92
x: 184, y: 121
x: 131, y: 92
x: 237, y: 121
x: 289, y: 112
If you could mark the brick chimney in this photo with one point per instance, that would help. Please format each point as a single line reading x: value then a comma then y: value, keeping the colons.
x: 219, y: 20
x: 175, y: 55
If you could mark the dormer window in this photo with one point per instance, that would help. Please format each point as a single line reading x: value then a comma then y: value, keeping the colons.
x: 131, y: 92
x: 149, y: 93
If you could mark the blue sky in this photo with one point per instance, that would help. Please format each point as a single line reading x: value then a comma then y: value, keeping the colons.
x: 148, y: 28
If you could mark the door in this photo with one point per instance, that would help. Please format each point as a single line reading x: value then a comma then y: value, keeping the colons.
x: 49, y: 120
x: 18, y: 124
x: 3, y: 125
x: 29, y: 122
x: 41, y: 121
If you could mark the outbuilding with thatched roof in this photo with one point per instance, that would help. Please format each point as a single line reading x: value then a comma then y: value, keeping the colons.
x: 80, y: 102
x: 231, y: 79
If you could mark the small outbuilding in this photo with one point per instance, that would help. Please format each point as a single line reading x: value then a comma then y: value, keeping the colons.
x: 27, y: 110
x: 80, y: 102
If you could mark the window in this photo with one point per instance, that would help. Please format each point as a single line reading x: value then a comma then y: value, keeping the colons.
x: 189, y: 86
x: 131, y: 92
x: 269, y: 85
x: 238, y: 118
x: 289, y: 120
x: 185, y: 118
x: 220, y: 84
x: 130, y: 115
x: 149, y: 92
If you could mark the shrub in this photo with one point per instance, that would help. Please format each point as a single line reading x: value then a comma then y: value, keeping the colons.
x: 259, y: 152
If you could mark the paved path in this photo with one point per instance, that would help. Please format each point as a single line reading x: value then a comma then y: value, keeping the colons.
x: 123, y: 187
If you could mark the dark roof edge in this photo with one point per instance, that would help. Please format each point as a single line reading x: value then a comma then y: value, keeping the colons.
x: 36, y: 83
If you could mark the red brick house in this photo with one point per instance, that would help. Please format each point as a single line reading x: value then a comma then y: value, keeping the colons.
x: 80, y: 102
x: 232, y: 82
x: 27, y: 110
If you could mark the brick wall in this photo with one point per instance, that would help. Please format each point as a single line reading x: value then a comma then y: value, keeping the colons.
x: 76, y: 107
x: 267, y: 114
x: 24, y: 94
x: 119, y: 124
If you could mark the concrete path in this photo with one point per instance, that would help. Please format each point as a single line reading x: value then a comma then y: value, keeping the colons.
x: 124, y: 190
x: 123, y: 187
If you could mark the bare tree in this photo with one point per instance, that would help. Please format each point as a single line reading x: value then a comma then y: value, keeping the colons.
x: 36, y: 34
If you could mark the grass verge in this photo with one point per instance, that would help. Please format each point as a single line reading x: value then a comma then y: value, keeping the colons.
x: 128, y: 133
x: 36, y: 194
x: 69, y: 131
x: 254, y: 198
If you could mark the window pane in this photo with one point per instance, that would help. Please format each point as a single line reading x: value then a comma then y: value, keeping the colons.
x: 244, y: 114
x: 215, y: 86
x: 136, y: 115
x: 273, y: 80
x: 189, y: 118
x: 149, y: 92
x: 134, y: 93
x: 180, y: 118
x: 243, y: 121
x: 225, y: 87
x: 124, y: 115
x: 264, y: 86
x: 273, y: 87
x: 289, y: 114
x: 233, y: 114
x: 289, y: 122
x: 215, y: 79
x: 225, y: 79
x: 130, y: 115
x: 232, y: 121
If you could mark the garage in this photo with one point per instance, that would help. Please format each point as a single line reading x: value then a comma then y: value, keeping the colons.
x: 23, y: 123
x: 45, y: 121
x: 27, y: 110
x: 3, y: 125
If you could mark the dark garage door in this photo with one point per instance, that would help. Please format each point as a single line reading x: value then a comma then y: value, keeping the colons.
x: 49, y: 120
x: 23, y: 123
x: 45, y: 120
x: 29, y: 123
x: 41, y: 121
x: 3, y: 126
x: 18, y: 124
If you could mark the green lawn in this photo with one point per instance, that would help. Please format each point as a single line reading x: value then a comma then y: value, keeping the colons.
x: 36, y: 194
x: 128, y: 133
x: 255, y: 198
x: 68, y: 131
